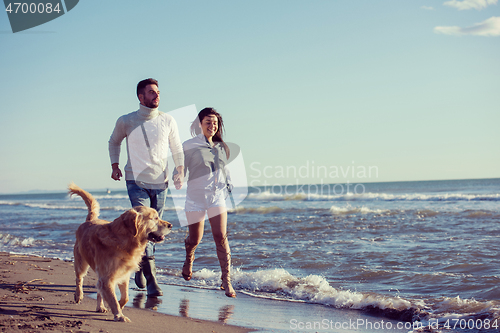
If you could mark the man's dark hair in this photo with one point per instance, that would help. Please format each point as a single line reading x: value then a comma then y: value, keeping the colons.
x: 141, y: 85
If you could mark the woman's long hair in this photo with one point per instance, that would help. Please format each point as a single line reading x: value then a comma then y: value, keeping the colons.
x: 217, y: 138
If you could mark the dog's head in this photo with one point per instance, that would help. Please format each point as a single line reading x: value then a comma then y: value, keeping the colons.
x: 144, y: 222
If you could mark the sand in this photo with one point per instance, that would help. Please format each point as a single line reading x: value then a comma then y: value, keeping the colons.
x: 36, y: 294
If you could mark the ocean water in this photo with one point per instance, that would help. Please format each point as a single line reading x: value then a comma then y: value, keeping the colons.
x: 424, y: 252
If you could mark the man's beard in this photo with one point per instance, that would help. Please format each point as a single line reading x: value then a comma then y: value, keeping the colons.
x: 150, y: 104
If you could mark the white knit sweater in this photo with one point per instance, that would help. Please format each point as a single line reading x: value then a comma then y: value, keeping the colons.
x: 146, y: 164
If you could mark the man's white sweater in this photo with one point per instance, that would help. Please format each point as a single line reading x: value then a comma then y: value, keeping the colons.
x: 149, y: 134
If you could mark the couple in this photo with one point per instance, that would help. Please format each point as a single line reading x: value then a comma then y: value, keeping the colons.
x: 149, y: 134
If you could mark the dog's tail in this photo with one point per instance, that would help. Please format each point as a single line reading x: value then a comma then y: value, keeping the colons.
x: 91, y: 203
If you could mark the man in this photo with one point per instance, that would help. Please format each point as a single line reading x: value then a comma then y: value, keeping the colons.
x: 149, y: 134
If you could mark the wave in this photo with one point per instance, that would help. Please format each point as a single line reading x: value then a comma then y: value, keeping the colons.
x: 42, y: 205
x: 110, y: 196
x: 10, y: 203
x: 480, y: 213
x: 257, y: 210
x: 422, y: 213
x: 269, y: 196
x: 59, y: 206
x: 279, y: 284
x: 302, y: 196
x: 125, y: 196
x: 430, y: 197
x: 7, y: 240
x: 348, y: 210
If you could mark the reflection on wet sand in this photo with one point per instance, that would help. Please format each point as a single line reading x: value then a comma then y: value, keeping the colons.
x: 141, y: 301
x: 225, y: 312
x: 184, y: 308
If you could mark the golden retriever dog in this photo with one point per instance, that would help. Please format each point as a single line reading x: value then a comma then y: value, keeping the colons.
x: 113, y: 250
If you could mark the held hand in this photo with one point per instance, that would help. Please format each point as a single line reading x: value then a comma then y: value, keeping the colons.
x: 116, y: 174
x: 177, y: 183
x: 179, y: 178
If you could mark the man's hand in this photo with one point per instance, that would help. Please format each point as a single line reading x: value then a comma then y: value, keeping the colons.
x: 179, y: 177
x: 116, y: 174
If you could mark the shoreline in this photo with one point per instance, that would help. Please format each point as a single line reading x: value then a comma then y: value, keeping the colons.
x: 36, y: 294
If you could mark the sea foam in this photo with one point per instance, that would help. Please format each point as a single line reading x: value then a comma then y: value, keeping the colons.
x: 302, y: 196
x: 9, y: 240
x: 280, y: 284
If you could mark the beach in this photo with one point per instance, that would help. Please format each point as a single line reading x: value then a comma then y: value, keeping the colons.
x: 36, y: 294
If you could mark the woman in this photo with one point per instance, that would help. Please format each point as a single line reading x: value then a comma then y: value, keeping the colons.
x: 205, y: 158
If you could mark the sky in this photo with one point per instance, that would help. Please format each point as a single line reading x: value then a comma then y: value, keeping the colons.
x: 312, y: 91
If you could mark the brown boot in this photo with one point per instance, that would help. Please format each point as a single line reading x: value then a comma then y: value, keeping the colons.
x: 188, y: 264
x: 224, y: 256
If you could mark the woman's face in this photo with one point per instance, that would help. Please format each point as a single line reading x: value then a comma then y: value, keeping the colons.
x: 209, y: 126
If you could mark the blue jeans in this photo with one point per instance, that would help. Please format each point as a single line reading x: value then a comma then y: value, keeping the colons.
x: 153, y: 198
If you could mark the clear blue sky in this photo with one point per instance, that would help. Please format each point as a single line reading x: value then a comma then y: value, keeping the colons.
x: 409, y: 88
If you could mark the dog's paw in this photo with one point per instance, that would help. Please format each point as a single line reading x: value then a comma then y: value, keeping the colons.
x: 78, y: 298
x: 101, y: 309
x: 122, y: 318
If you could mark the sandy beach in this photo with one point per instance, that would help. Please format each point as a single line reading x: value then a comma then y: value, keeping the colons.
x: 36, y: 294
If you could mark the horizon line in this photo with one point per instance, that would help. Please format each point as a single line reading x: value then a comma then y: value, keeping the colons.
x: 104, y: 189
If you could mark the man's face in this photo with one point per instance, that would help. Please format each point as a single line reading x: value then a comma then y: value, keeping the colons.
x: 150, y: 97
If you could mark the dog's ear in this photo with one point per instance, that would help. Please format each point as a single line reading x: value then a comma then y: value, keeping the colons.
x: 132, y: 220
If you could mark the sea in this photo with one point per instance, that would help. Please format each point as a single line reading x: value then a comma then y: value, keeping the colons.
x: 421, y: 251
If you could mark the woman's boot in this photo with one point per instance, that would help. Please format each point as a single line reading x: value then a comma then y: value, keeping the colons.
x: 224, y: 256
x: 188, y: 264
